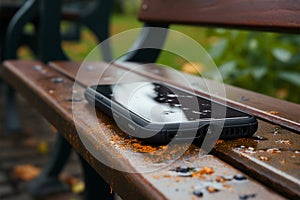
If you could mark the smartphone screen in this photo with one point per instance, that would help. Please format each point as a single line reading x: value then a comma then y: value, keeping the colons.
x: 157, y: 102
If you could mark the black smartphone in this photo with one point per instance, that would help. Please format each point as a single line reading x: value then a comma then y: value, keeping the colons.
x: 158, y: 112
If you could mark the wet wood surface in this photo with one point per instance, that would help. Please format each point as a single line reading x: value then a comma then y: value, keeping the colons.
x: 256, y: 14
x: 272, y: 155
x: 160, y: 174
x: 274, y: 110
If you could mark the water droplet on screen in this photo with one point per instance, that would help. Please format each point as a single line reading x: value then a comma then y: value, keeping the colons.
x: 197, y: 112
x: 177, y: 105
x: 167, y: 112
x: 172, y: 95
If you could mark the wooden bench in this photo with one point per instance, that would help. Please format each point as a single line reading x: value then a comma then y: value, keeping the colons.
x: 47, y: 16
x: 45, y: 41
x: 270, y: 160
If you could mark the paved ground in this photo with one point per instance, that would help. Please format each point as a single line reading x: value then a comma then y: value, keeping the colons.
x: 30, y: 148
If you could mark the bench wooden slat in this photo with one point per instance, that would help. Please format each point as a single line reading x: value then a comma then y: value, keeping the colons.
x: 268, y: 108
x: 256, y: 14
x: 288, y: 142
x: 52, y: 99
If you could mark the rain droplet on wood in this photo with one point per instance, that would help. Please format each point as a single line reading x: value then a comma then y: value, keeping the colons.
x: 244, y: 98
x: 264, y: 158
x: 74, y: 99
x: 239, y: 177
x: 259, y: 138
x: 57, y: 80
x: 37, y: 67
x: 247, y: 196
x: 198, y: 192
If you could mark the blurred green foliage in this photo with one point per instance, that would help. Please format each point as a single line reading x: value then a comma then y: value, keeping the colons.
x: 264, y: 62
x: 268, y: 63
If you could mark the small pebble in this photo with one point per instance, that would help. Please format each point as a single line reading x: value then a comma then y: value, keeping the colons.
x: 247, y: 196
x: 212, y: 189
x: 239, y: 177
x: 183, y: 169
x: 198, y: 192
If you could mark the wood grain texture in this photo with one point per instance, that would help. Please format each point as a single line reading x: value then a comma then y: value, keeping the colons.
x: 281, y: 171
x: 273, y: 15
x: 274, y: 110
x: 52, y: 100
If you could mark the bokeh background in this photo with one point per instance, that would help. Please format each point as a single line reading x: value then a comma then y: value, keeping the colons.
x: 267, y: 63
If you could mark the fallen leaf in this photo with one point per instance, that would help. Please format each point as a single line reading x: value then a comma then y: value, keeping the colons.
x: 274, y: 112
x: 78, y: 187
x: 26, y: 172
x: 43, y: 147
x: 70, y: 180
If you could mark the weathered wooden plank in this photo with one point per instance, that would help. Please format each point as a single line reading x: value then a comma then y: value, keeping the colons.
x: 53, y: 100
x: 274, y: 110
x: 256, y: 14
